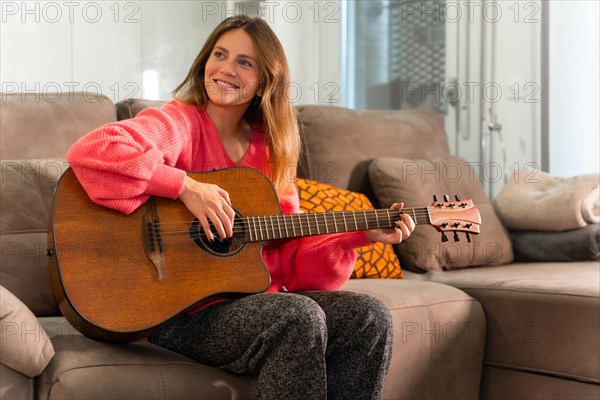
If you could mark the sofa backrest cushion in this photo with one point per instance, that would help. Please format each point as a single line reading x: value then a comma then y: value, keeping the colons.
x: 339, y: 144
x: 45, y: 125
x: 129, y: 108
x: 26, y: 201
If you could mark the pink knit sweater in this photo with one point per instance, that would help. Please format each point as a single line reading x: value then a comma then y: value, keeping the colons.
x: 122, y: 164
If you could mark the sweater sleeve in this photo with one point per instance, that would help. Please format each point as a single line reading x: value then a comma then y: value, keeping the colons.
x: 323, y: 262
x: 122, y: 164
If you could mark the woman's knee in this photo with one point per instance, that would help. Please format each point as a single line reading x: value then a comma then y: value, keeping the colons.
x: 373, y: 312
x: 306, y: 315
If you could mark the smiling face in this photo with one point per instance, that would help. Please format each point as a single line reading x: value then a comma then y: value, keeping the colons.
x: 231, y: 72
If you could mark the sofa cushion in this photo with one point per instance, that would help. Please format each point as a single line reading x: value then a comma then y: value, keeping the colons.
x: 129, y: 108
x: 26, y: 347
x: 375, y: 261
x: 45, y: 125
x: 414, y: 182
x: 541, y: 317
x: 574, y: 245
x: 502, y: 384
x: 26, y: 200
x: 86, y: 369
x: 538, y: 201
x: 15, y: 386
x: 340, y: 143
x: 439, y: 337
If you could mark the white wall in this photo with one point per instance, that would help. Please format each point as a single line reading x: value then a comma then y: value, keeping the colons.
x: 109, y: 47
x: 310, y: 32
x: 574, y: 87
x: 99, y: 46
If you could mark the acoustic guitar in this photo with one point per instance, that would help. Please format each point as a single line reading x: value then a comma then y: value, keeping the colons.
x: 120, y: 277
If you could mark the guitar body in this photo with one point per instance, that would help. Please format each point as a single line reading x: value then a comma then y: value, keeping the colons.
x: 120, y: 277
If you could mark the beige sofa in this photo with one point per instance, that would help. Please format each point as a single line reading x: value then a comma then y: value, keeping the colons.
x: 493, y: 332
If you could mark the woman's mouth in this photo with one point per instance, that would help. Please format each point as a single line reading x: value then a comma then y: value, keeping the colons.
x: 225, y: 84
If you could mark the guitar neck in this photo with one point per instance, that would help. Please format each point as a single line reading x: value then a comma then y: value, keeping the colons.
x: 272, y: 227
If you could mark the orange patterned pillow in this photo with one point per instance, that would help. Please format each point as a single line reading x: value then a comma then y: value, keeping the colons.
x: 375, y: 261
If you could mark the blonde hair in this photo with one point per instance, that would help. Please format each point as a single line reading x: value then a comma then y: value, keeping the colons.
x: 273, y: 110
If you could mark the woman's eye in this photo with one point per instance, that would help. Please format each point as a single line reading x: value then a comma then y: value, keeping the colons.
x: 218, y: 54
x: 245, y: 63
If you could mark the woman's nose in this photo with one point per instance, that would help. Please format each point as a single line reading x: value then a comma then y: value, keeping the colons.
x: 228, y: 68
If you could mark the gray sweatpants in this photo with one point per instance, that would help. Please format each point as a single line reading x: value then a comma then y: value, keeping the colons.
x: 310, y: 345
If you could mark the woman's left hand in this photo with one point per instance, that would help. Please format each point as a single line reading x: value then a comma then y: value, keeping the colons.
x: 401, y: 232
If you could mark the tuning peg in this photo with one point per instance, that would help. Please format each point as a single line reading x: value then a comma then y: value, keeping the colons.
x: 435, y: 198
x: 456, y: 238
x: 444, y: 237
x: 468, y: 237
x: 458, y: 197
x: 446, y: 198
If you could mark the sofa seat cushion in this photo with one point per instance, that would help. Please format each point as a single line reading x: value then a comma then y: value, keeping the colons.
x: 439, y: 335
x: 503, y: 384
x: 87, y: 369
x: 15, y: 386
x: 541, y: 317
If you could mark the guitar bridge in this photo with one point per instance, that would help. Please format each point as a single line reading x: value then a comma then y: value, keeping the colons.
x: 153, y: 239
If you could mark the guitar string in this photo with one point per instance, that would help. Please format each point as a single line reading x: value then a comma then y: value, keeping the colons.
x: 302, y: 219
x: 269, y: 227
x: 313, y: 218
x: 418, y: 213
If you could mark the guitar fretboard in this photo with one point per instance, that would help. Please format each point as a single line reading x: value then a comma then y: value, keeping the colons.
x: 270, y: 227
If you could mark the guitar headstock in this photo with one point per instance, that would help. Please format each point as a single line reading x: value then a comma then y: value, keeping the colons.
x: 454, y: 216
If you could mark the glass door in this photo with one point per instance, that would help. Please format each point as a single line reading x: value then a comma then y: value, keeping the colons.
x: 407, y: 54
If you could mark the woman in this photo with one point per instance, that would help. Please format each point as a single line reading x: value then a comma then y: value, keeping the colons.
x: 302, y: 339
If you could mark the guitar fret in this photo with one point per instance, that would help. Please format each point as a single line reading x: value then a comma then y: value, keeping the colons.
x: 300, y: 224
x: 354, y: 217
x: 293, y: 225
x: 248, y: 229
x: 308, y: 223
x: 255, y: 231
x: 287, y: 234
x: 260, y: 230
x: 279, y: 227
x: 272, y: 225
x: 389, y: 218
x: 317, y: 223
x: 334, y: 223
x: 345, y: 222
x: 266, y: 227
x: 325, y: 221
x: 414, y: 216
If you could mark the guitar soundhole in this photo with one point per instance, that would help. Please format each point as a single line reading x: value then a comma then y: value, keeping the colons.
x: 218, y: 247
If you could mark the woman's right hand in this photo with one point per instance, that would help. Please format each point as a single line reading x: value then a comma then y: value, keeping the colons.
x: 209, y: 203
